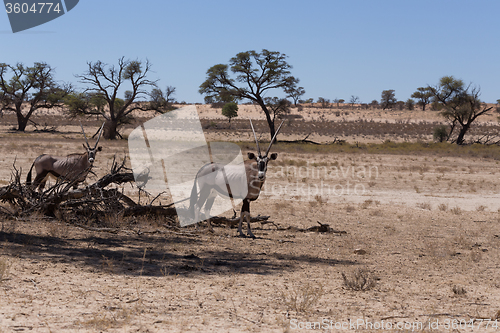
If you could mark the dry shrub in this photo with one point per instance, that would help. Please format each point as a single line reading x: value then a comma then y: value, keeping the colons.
x: 4, y: 267
x: 457, y: 290
x: 359, y: 280
x: 481, y: 208
x: 456, y: 210
x: 350, y: 209
x: 366, y: 203
x: 424, y: 205
x: 303, y: 298
x: 320, y: 200
x: 443, y: 207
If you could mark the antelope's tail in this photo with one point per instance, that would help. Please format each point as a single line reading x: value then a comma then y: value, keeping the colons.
x: 28, y: 177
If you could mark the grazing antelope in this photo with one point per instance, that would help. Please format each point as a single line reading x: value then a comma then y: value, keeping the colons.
x: 214, y: 178
x: 73, y: 167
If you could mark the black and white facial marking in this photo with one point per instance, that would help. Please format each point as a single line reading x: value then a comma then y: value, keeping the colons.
x: 262, y: 163
x: 92, y: 152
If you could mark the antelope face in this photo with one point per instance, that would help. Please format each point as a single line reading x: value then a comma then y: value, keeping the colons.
x: 262, y: 163
x: 92, y: 152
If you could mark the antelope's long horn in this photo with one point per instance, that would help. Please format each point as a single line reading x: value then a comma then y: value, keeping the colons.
x: 274, y: 137
x: 255, y: 136
x: 84, y: 135
x: 99, y: 137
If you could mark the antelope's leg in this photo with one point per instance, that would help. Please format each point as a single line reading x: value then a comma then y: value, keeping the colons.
x: 245, y: 209
x: 248, y: 225
x: 240, y: 233
x: 208, y: 207
x: 204, y: 193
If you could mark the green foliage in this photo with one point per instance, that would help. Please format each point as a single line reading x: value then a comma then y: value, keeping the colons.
x: 388, y: 99
x: 255, y: 74
x: 423, y: 96
x: 79, y: 104
x: 440, y: 133
x: 230, y: 110
x: 410, y: 104
x: 461, y: 104
x: 29, y: 89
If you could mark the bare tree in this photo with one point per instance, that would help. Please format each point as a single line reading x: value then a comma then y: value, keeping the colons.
x: 353, y: 100
x: 461, y: 104
x: 28, y: 90
x: 106, y: 80
x: 162, y: 101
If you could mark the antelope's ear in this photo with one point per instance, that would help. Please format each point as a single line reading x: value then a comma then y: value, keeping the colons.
x: 83, y: 144
x: 99, y: 148
x: 251, y: 156
x: 273, y: 156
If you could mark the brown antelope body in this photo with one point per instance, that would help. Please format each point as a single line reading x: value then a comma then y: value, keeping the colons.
x: 73, y: 167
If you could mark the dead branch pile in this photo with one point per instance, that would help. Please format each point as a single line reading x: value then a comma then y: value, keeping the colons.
x: 102, y: 198
x: 92, y: 203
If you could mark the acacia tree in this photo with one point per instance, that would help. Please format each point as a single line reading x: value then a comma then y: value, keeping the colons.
x: 256, y: 74
x: 279, y: 107
x: 388, y: 99
x: 105, y: 81
x: 28, y: 90
x: 338, y: 101
x: 295, y: 93
x: 423, y: 96
x: 230, y: 110
x: 461, y: 104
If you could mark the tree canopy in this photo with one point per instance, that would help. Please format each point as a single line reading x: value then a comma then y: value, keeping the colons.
x: 388, y: 99
x: 29, y: 89
x: 230, y: 110
x: 255, y: 74
x: 461, y: 104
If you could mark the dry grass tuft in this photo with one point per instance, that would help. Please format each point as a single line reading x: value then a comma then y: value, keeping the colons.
x: 443, y: 207
x: 360, y: 280
x: 303, y: 298
x: 4, y: 267
x: 457, y: 290
x: 424, y: 205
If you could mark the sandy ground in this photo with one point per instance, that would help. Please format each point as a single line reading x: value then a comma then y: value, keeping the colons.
x: 424, y: 229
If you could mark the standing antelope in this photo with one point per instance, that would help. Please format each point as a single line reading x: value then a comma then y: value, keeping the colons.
x: 214, y: 178
x: 73, y: 167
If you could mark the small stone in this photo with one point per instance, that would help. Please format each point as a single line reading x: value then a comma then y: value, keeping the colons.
x: 359, y: 251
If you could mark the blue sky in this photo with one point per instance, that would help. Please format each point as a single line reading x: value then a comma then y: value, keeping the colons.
x: 337, y: 48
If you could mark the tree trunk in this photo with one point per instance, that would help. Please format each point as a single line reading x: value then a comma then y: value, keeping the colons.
x: 110, y: 129
x: 270, y: 122
x: 22, y: 122
x: 461, y: 134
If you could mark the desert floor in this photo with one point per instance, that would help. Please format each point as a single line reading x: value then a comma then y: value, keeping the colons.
x: 422, y: 229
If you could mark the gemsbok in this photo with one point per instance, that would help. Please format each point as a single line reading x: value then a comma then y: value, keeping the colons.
x: 73, y: 167
x: 214, y: 178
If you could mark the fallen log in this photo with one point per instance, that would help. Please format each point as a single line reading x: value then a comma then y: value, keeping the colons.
x: 232, y: 222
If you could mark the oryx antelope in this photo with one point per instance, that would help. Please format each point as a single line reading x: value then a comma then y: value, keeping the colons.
x: 73, y: 167
x: 213, y: 179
